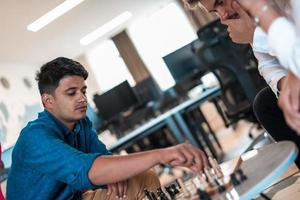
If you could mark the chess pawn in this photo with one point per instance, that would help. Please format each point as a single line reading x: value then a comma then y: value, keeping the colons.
x: 243, y: 177
x: 203, y: 195
x: 221, y: 187
x: 153, y: 196
x: 164, y: 189
x: 161, y: 195
x: 148, y: 195
x: 172, y: 190
x: 209, y: 177
x: 181, y: 185
x: 203, y: 182
x: 234, y: 180
x: 216, y: 167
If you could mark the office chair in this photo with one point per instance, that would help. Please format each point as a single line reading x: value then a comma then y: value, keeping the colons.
x: 235, y: 67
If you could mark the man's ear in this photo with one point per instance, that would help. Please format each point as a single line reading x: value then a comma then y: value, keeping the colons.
x: 47, y: 100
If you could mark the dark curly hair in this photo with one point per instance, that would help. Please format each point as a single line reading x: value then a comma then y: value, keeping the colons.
x: 52, y: 72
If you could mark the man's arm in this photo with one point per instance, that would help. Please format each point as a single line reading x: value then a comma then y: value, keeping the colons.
x: 111, y: 169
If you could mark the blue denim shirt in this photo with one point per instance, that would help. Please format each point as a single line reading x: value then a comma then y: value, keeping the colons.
x: 50, y: 161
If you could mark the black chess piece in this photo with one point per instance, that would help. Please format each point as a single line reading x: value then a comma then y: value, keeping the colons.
x: 203, y: 195
x: 169, y: 191
x: 148, y: 195
x: 179, y: 186
x: 153, y: 196
x: 234, y: 180
x: 243, y: 177
x: 172, y: 190
x: 161, y: 194
x: 221, y: 188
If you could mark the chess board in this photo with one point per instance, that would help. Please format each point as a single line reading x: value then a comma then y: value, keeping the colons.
x: 211, y: 183
x: 241, y: 178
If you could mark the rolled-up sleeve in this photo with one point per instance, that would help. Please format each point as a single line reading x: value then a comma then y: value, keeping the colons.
x: 55, y: 158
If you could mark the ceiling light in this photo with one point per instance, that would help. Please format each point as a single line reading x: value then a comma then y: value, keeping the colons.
x: 109, y: 26
x: 53, y: 14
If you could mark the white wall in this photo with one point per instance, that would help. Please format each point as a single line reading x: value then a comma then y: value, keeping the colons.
x: 18, y: 103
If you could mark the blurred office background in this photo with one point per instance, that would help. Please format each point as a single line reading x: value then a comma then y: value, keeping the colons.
x: 147, y: 61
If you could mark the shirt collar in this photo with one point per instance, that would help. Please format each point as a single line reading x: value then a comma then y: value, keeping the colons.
x: 60, y: 125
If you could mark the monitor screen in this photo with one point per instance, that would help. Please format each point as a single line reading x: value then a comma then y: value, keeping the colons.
x: 116, y: 100
x: 183, y: 62
x: 148, y: 90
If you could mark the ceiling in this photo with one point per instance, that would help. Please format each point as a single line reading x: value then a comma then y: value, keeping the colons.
x: 61, y: 37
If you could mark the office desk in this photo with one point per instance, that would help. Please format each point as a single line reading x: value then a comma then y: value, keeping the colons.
x: 172, y: 119
x: 188, y: 106
x: 147, y: 129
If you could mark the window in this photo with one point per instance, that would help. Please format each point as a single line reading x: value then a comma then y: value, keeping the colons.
x: 108, y: 66
x: 163, y: 32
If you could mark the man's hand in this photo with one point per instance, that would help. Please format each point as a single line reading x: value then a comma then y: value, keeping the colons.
x: 184, y: 155
x: 118, y: 189
x: 241, y: 29
x: 289, y: 101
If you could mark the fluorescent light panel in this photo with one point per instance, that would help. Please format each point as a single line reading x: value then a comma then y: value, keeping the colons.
x: 109, y: 26
x: 53, y: 14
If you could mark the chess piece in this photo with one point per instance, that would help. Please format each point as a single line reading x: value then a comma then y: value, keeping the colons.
x: 153, y: 196
x: 181, y: 185
x: 169, y: 190
x: 175, y: 189
x: 172, y: 190
x: 234, y: 180
x: 243, y: 177
x: 161, y: 195
x: 203, y: 195
x: 203, y: 182
x: 209, y: 177
x: 221, y: 187
x: 148, y: 195
x: 177, y: 182
x: 216, y: 167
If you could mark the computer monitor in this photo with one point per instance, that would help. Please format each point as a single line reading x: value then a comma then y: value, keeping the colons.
x: 148, y: 90
x: 183, y: 63
x: 116, y: 100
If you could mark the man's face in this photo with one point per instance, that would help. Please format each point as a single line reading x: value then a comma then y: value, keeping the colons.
x: 69, y: 99
x: 223, y: 8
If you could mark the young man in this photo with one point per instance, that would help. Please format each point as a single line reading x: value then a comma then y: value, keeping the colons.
x: 242, y: 29
x: 58, y: 155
